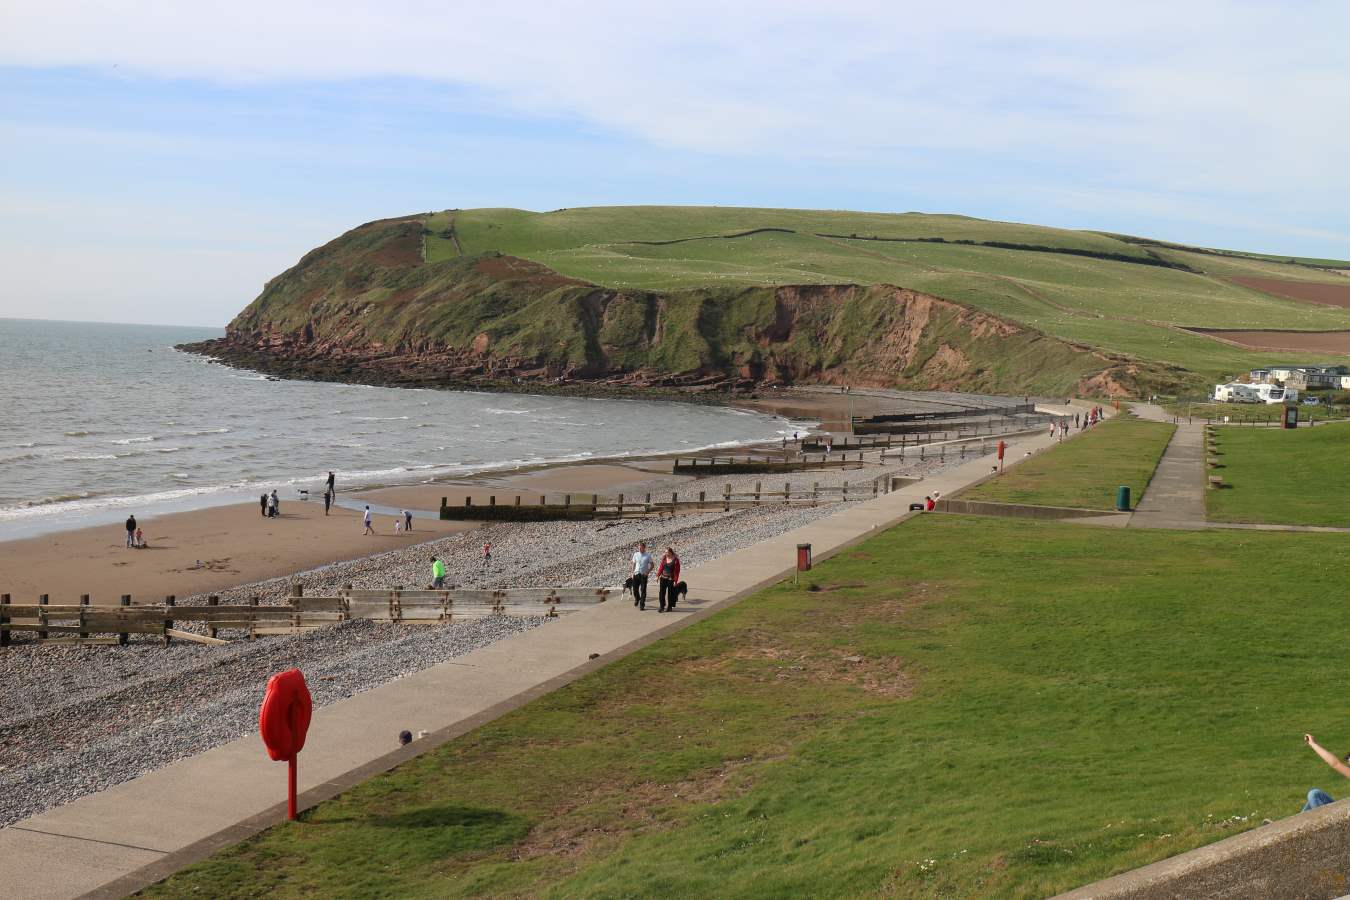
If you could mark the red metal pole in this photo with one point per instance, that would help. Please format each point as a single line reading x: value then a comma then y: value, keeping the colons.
x: 290, y: 788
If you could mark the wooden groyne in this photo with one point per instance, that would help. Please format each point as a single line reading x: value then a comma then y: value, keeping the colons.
x: 621, y: 506
x: 88, y: 623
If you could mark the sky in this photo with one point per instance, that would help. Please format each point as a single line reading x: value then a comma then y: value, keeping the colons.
x: 159, y: 161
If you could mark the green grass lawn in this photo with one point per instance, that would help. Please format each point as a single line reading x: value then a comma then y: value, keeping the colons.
x: 1256, y: 414
x: 1283, y: 477
x: 957, y: 707
x: 1084, y: 471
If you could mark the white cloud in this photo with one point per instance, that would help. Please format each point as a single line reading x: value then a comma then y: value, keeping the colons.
x: 1238, y: 95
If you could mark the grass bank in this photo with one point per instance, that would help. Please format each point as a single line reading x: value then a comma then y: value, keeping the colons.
x: 1283, y: 477
x: 959, y: 706
x: 1084, y: 472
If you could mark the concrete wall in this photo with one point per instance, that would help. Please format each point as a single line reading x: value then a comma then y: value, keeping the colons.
x: 1018, y: 511
x: 1303, y: 857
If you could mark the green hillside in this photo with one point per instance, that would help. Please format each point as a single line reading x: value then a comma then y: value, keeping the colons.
x: 1121, y: 294
x: 719, y: 299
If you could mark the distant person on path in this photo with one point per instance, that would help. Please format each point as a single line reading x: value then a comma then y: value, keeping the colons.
x: 329, y: 487
x: 1318, y: 797
x: 327, y: 501
x: 366, y: 519
x: 487, y: 556
x: 274, y: 504
x: 131, y: 531
x: 437, y: 573
x: 404, y: 738
x: 642, y: 565
x: 928, y: 504
x: 667, y: 575
x: 407, y: 520
x: 263, y: 502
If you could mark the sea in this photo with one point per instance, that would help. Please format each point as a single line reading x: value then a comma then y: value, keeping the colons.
x: 101, y: 420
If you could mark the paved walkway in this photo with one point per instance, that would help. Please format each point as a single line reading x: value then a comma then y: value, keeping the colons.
x: 1175, y: 498
x: 113, y: 842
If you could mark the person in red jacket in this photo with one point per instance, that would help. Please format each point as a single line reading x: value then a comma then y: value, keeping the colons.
x: 668, y: 575
x: 928, y: 504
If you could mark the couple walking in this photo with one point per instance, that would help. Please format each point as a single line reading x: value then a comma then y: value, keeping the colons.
x: 667, y: 573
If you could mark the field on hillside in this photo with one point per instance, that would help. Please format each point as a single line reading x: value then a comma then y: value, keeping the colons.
x: 1110, y: 299
x: 1084, y: 472
x: 957, y: 707
x: 1283, y: 477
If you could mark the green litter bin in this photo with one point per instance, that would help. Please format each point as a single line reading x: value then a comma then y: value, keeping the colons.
x: 1123, y: 498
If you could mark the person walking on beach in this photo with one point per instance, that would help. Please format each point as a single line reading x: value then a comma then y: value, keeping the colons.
x: 398, y: 524
x: 437, y: 574
x: 131, y: 531
x: 327, y: 501
x: 274, y: 504
x: 262, y: 501
x: 487, y: 556
x: 642, y: 565
x: 366, y: 519
x: 407, y: 520
x: 329, y: 487
x: 667, y: 576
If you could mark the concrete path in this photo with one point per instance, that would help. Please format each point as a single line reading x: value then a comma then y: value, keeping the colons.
x: 116, y: 841
x: 1175, y: 498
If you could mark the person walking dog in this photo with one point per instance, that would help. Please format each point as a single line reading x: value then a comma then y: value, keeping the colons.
x: 642, y: 566
x: 667, y: 575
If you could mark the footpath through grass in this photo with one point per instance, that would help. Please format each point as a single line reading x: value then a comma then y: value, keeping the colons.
x: 960, y: 706
x: 1085, y: 471
x: 1282, y: 477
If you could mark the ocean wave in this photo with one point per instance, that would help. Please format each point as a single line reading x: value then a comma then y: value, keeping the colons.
x: 88, y: 457
x: 166, y: 449
x: 23, y: 457
x: 506, y: 412
x: 379, y: 418
x: 82, y: 433
x: 135, y: 440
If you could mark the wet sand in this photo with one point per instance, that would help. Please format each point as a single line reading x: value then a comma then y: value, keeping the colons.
x: 234, y: 545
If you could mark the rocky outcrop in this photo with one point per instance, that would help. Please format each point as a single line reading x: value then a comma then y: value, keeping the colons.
x: 366, y: 307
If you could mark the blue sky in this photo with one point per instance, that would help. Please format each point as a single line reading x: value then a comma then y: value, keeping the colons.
x: 159, y: 162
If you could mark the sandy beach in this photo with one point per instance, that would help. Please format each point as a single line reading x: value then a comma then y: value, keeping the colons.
x: 194, y: 552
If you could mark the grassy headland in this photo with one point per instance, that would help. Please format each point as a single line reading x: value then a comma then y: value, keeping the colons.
x: 959, y: 706
x: 1283, y: 477
x: 702, y: 297
x: 1084, y: 472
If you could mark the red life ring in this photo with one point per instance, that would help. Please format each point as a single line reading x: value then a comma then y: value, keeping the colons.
x: 284, y: 716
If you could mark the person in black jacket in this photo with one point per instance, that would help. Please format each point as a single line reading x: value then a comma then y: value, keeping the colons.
x: 131, y: 531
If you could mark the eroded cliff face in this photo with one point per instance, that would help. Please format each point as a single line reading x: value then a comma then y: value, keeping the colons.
x: 367, y: 308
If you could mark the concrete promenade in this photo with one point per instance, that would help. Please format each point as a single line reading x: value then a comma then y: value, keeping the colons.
x: 116, y: 841
x: 1175, y: 498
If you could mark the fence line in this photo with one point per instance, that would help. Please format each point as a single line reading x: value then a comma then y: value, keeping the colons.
x: 88, y: 623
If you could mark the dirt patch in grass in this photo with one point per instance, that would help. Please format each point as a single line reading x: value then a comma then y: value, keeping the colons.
x: 1306, y: 341
x: 1303, y: 291
x: 639, y: 811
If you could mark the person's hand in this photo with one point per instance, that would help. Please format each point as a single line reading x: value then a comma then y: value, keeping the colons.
x: 1308, y: 739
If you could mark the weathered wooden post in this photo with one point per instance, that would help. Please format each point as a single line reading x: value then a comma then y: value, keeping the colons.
x: 595, y: 502
x: 619, y: 508
x: 787, y: 491
x: 647, y: 504
x: 84, y: 610
x: 169, y: 603
x: 517, y: 499
x: 4, y: 620
x: 700, y: 501
x: 252, y: 618
x: 492, y: 500
x: 726, y: 498
x: 123, y: 602
x: 212, y: 600
x: 567, y: 499
x: 43, y: 599
x: 815, y: 493
x: 297, y: 591
x: 756, y: 493
x: 444, y: 504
